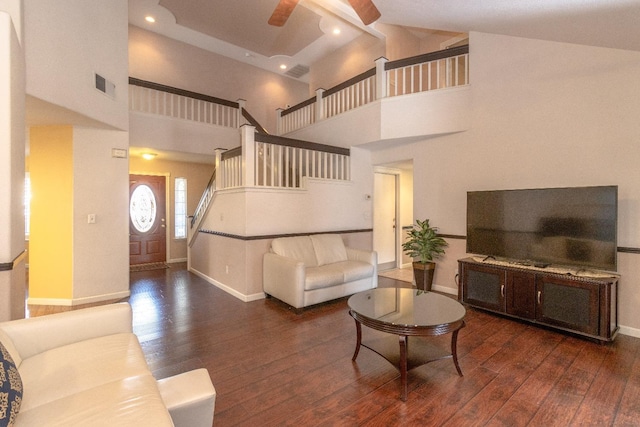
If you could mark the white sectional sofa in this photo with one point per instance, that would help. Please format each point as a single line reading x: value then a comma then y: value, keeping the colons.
x: 86, y: 368
x: 306, y: 270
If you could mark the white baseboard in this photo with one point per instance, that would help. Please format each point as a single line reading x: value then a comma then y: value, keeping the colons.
x: 176, y: 260
x: 65, y: 302
x: 445, y: 289
x: 227, y: 289
x: 632, y: 332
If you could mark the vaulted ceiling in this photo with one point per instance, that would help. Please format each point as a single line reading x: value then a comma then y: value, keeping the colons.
x: 238, y: 28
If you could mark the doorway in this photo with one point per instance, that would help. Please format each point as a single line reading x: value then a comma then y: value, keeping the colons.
x: 385, y: 227
x: 147, y: 219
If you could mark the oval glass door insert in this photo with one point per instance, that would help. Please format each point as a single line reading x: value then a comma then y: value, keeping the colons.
x: 142, y: 208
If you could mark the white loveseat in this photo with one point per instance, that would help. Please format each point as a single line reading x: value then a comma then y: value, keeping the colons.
x: 306, y: 270
x: 86, y: 368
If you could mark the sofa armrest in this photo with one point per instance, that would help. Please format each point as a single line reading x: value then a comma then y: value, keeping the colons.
x: 370, y: 257
x: 38, y: 334
x: 284, y: 279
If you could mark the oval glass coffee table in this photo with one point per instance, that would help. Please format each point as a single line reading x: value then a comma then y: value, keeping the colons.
x: 406, y: 312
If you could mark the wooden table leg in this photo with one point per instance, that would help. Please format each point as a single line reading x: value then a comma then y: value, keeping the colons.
x: 403, y: 366
x: 358, y: 340
x: 454, y: 348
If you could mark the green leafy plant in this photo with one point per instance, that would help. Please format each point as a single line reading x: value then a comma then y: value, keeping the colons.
x: 424, y: 244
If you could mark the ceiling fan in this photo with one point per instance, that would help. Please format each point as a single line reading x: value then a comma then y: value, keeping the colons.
x: 365, y: 9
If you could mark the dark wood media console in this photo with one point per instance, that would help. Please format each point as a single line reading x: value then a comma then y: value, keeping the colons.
x: 582, y: 304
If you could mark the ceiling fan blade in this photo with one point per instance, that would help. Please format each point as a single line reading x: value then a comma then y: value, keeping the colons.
x: 366, y: 10
x: 282, y: 12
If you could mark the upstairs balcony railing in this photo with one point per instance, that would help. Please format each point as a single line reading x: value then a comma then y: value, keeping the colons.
x: 432, y: 71
x: 278, y: 162
x: 153, y: 98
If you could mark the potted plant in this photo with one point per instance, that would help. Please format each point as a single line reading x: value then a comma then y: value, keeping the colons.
x: 424, y: 246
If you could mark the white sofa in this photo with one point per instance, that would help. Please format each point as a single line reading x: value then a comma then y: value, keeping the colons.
x: 86, y: 368
x: 306, y: 270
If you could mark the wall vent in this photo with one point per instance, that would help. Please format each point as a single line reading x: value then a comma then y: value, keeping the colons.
x: 105, y: 86
x: 297, y: 71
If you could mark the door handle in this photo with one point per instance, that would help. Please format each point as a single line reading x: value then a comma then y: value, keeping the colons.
x: 539, y: 296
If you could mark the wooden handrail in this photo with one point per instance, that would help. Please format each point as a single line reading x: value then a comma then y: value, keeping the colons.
x: 182, y: 92
x: 350, y: 82
x: 298, y: 106
x: 203, y: 199
x: 253, y: 122
x: 427, y: 57
x: 298, y: 143
x: 234, y: 152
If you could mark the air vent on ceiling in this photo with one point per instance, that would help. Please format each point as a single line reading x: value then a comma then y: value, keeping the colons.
x: 297, y: 71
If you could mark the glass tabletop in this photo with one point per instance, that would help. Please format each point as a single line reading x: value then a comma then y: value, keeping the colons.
x: 407, y: 307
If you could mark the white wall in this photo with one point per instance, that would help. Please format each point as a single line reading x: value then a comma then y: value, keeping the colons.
x: 544, y: 114
x: 101, y: 187
x: 12, y: 166
x: 183, y: 136
x: 66, y: 42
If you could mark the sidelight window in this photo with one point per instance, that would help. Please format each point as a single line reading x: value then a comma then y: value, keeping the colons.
x: 181, y: 208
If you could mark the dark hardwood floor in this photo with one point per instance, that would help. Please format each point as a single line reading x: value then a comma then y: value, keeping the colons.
x: 272, y: 366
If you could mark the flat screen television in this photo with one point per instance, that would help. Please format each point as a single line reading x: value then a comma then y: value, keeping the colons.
x: 560, y: 226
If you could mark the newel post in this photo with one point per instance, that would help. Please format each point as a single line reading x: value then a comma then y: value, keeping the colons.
x: 279, y: 121
x: 241, y: 104
x: 320, y: 114
x: 219, y: 172
x: 248, y: 134
x: 381, y: 78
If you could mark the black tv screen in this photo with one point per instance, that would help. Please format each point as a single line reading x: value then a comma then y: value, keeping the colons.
x: 563, y: 226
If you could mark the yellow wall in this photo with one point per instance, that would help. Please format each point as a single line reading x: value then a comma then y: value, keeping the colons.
x: 51, y: 237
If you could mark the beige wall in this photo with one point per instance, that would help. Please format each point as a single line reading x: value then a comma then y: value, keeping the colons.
x: 346, y: 62
x: 197, y: 174
x: 162, y: 60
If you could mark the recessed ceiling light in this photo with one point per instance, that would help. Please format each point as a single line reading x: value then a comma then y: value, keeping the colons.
x: 150, y: 19
x: 336, y: 31
x: 149, y: 156
x: 283, y: 67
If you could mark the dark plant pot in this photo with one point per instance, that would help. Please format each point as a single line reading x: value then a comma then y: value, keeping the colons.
x: 423, y: 274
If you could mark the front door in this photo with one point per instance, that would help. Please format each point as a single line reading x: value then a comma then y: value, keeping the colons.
x: 147, y: 222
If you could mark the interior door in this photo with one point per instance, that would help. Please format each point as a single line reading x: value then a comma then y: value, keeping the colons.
x: 384, y: 220
x: 147, y: 221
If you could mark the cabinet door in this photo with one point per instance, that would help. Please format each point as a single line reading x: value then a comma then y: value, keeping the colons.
x: 483, y: 287
x: 568, y: 304
x: 521, y: 294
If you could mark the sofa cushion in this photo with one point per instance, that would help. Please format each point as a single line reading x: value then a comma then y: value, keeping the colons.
x: 74, y: 368
x: 299, y: 248
x: 354, y: 270
x: 329, y: 248
x: 133, y: 401
x: 10, y: 388
x: 322, y: 277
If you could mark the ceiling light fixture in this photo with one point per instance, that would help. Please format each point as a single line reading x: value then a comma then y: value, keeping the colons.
x: 336, y: 31
x: 283, y: 67
x: 150, y: 19
x: 149, y: 156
